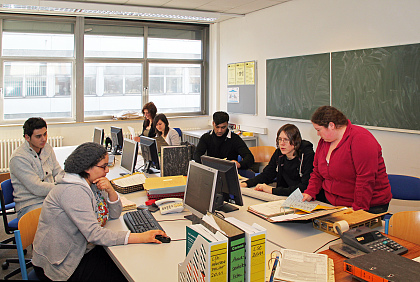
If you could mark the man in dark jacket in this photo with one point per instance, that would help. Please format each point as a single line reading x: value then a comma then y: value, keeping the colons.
x: 223, y: 144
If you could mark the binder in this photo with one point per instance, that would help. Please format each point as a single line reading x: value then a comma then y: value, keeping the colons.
x: 255, y: 249
x: 206, y: 260
x: 236, y: 249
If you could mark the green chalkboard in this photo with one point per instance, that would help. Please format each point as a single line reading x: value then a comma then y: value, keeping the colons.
x: 378, y: 86
x: 297, y: 86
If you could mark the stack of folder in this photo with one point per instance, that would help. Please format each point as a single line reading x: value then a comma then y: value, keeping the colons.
x: 165, y: 187
x: 233, y: 251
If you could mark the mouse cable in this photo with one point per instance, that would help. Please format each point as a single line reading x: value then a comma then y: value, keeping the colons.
x: 326, y: 244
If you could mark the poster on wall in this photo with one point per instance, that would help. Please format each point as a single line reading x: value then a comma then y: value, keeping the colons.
x: 240, y: 74
x: 250, y: 73
x: 233, y: 95
x: 231, y: 74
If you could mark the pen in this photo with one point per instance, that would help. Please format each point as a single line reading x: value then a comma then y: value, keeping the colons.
x: 273, y: 270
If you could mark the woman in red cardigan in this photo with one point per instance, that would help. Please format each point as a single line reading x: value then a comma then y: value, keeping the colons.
x: 348, y: 164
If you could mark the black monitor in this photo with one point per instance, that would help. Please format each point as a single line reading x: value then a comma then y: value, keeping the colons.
x: 150, y: 154
x: 200, y: 189
x: 98, y: 135
x: 228, y: 189
x: 117, y: 140
x: 129, y: 155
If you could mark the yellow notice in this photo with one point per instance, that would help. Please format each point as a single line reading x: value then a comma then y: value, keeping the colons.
x: 240, y: 73
x: 218, y: 263
x: 257, y: 257
x: 231, y: 74
x: 249, y: 72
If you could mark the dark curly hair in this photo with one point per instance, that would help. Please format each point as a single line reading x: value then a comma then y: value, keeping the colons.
x: 326, y: 114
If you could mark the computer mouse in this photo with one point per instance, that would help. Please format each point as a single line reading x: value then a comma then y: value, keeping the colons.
x: 163, y: 239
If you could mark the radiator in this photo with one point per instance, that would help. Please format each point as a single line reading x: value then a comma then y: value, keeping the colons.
x: 7, y: 147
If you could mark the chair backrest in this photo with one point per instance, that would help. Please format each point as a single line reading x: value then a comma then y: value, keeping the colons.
x: 179, y: 132
x: 25, y: 235
x: 7, y: 191
x: 405, y: 225
x: 262, y: 154
x: 404, y: 187
x: 4, y: 176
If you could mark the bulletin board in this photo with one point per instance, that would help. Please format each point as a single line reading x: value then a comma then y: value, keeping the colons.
x: 241, y: 88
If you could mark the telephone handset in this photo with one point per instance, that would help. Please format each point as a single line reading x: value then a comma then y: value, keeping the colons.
x: 170, y: 205
x: 363, y: 238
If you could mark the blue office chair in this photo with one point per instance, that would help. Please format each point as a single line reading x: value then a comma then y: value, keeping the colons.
x: 25, y: 235
x: 404, y: 187
x: 179, y: 132
x: 8, y: 208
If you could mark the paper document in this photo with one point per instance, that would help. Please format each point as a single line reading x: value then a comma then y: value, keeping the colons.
x: 133, y: 134
x: 273, y: 208
x: 302, y: 266
x: 132, y: 180
x: 127, y: 204
x: 295, y: 201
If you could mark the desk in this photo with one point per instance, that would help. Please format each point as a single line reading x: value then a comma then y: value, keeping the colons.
x: 341, y: 275
x: 152, y: 262
x: 193, y: 136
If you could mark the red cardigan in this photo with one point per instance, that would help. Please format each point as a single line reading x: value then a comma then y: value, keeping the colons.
x: 356, y: 175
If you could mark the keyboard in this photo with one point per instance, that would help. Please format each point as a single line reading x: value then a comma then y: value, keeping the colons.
x: 139, y: 221
x: 260, y: 195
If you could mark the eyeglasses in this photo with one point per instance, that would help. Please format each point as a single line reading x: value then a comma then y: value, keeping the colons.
x: 102, y: 166
x: 285, y: 140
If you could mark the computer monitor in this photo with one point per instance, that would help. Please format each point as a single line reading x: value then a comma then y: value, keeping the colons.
x: 117, y: 140
x: 200, y: 189
x: 129, y: 155
x: 98, y: 135
x: 228, y: 189
x: 150, y: 154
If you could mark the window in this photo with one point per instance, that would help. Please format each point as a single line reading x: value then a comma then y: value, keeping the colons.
x: 125, y: 65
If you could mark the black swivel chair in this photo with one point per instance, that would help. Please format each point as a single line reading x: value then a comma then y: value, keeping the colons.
x: 8, y: 208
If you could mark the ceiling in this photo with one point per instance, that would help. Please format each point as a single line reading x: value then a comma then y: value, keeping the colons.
x: 225, y: 8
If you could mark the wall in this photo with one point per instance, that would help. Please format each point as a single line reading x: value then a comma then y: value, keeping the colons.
x: 302, y: 27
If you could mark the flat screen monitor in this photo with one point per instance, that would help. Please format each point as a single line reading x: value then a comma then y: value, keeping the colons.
x: 200, y: 189
x: 150, y: 154
x: 117, y: 140
x: 228, y: 189
x: 129, y: 155
x: 98, y: 135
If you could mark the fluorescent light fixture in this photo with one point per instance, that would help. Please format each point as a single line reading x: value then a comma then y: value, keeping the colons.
x: 110, y: 10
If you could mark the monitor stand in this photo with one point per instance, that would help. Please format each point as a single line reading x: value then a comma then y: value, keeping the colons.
x: 149, y: 169
x: 193, y: 218
x: 115, y: 151
x: 226, y: 207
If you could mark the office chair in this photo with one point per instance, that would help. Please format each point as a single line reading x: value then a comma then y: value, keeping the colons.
x: 404, y: 187
x: 405, y: 225
x: 25, y: 235
x: 262, y: 155
x: 179, y: 132
x: 8, y: 208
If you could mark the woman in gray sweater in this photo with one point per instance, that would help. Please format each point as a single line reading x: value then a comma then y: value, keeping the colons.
x: 68, y: 242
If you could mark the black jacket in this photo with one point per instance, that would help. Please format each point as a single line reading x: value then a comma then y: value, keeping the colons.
x: 290, y: 174
x: 228, y: 146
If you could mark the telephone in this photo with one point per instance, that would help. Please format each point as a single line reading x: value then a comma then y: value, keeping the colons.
x: 170, y: 205
x: 363, y: 238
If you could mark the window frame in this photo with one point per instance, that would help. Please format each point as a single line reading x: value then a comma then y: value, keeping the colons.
x: 78, y: 61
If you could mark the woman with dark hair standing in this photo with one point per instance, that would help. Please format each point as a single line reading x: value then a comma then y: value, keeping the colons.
x: 170, y: 135
x: 291, y: 163
x: 348, y: 164
x: 149, y: 111
x: 70, y: 235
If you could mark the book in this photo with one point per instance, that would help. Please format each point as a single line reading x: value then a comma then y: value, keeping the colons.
x: 255, y: 249
x: 383, y: 266
x: 174, y: 160
x: 300, y: 266
x: 206, y: 260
